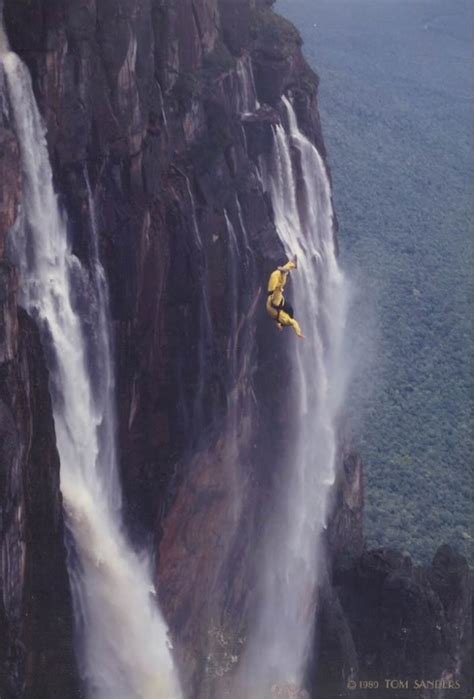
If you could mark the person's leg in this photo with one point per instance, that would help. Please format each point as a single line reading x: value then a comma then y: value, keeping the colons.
x: 288, y: 321
x: 271, y: 310
x: 296, y: 327
x: 288, y: 308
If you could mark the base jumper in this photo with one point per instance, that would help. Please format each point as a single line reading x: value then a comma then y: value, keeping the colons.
x: 279, y: 309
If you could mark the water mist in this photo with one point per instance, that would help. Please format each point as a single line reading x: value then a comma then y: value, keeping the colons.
x: 281, y: 631
x: 122, y: 641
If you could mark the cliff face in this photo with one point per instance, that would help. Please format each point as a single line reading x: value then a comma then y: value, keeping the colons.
x: 396, y: 625
x: 36, y: 657
x: 143, y: 100
x: 150, y: 111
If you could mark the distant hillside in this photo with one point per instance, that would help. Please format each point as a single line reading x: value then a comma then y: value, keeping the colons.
x: 397, y: 109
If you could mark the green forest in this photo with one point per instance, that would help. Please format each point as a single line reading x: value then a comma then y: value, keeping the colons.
x: 398, y: 129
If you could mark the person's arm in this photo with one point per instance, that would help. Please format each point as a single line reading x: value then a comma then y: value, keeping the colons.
x: 291, y: 264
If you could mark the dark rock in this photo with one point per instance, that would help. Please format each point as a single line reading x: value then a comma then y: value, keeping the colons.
x: 259, y: 132
x: 9, y: 170
x: 36, y: 652
x: 395, y: 621
x: 345, y: 531
x: 36, y: 627
x: 236, y: 19
x: 140, y: 95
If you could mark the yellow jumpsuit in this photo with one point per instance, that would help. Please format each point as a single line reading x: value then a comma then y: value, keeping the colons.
x: 275, y: 298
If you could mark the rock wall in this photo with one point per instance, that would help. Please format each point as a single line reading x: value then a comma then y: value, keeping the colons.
x: 36, y: 656
x: 398, y: 626
x: 143, y: 101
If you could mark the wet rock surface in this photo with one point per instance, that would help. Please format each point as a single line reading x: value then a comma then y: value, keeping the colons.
x: 144, y: 99
x: 36, y: 655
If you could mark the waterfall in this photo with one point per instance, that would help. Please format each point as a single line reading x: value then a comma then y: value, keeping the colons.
x: 246, y: 93
x: 122, y: 642
x: 281, y: 632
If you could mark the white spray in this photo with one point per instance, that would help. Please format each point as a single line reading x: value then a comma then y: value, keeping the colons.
x: 282, y: 631
x: 122, y: 639
x: 246, y: 93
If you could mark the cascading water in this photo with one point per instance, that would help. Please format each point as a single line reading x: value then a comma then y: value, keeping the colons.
x: 281, y: 632
x: 246, y: 93
x: 122, y: 640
